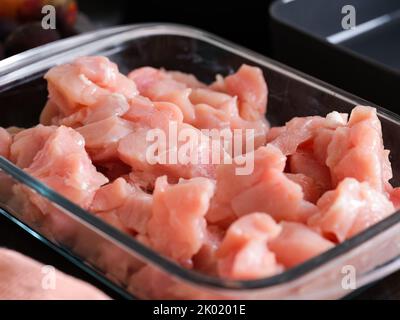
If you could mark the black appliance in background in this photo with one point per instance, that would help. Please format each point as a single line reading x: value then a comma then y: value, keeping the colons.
x: 308, y: 35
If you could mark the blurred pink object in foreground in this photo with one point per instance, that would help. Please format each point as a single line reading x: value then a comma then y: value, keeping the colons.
x: 22, y: 278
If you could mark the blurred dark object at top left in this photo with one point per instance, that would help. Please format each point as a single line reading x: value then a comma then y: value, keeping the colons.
x: 21, y: 29
x: 27, y: 36
x: 7, y: 26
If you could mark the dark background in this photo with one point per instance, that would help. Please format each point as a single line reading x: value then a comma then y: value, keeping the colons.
x: 244, y: 22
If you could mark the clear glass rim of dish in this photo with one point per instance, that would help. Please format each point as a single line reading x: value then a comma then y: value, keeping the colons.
x: 32, y: 61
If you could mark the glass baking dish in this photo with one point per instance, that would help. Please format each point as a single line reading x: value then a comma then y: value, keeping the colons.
x: 123, y: 262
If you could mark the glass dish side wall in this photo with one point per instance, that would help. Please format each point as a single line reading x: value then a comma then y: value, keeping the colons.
x: 192, y: 51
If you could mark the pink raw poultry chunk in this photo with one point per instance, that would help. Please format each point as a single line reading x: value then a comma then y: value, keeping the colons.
x: 349, y: 209
x: 111, y: 196
x: 230, y: 184
x: 295, y: 132
x: 181, y: 99
x: 305, y: 163
x: 357, y: 150
x: 276, y: 195
x: 395, y: 197
x: 136, y: 211
x: 50, y: 114
x: 249, y: 86
x: 153, y: 82
x: 297, y: 243
x: 267, y: 189
x: 27, y: 143
x: 186, y: 78
x: 84, y: 81
x: 177, y: 227
x: 303, y: 129
x: 244, y: 253
x: 5, y: 143
x: 126, y: 204
x: 160, y: 86
x: 141, y: 153
x: 208, y: 117
x: 153, y: 115
x: 210, y: 97
x: 112, y: 219
x: 107, y: 106
x: 64, y: 165
x: 321, y: 141
x: 104, y: 73
x: 206, y: 259
x: 226, y: 116
x: 102, y: 137
x: 311, y: 190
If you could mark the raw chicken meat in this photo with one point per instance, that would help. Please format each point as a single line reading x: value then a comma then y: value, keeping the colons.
x: 395, y: 197
x: 205, y: 260
x: 83, y: 82
x: 177, y: 227
x: 111, y: 196
x: 63, y: 164
x: 210, y: 97
x: 301, y: 130
x: 229, y: 184
x: 349, y: 209
x: 102, y: 137
x: 276, y: 195
x: 216, y: 110
x: 27, y: 143
x: 5, y: 143
x: 126, y: 204
x: 304, y: 162
x: 267, y: 189
x: 161, y: 86
x: 153, y: 114
x: 107, y: 106
x: 311, y: 190
x: 188, y: 79
x: 244, y: 252
x: 297, y: 243
x: 136, y: 149
x: 357, y: 150
x: 249, y: 86
x: 235, y: 207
